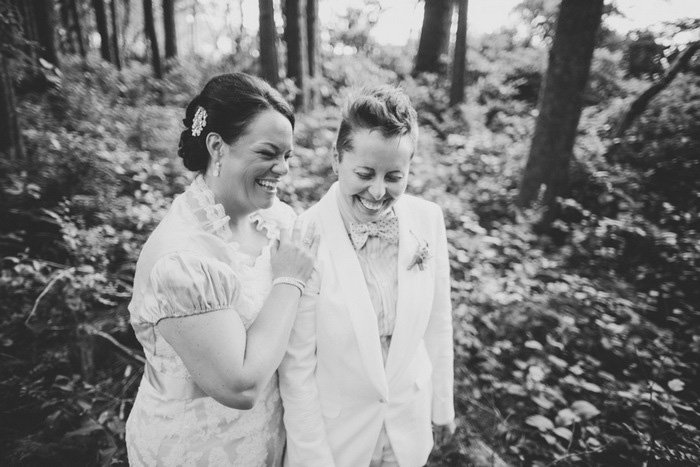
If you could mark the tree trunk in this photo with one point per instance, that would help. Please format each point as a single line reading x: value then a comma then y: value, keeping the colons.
x: 312, y: 28
x: 169, y: 28
x: 297, y: 60
x: 45, y: 17
x: 434, y: 36
x: 152, y: 38
x: 101, y: 20
x: 11, y: 146
x: 67, y: 45
x: 28, y: 21
x: 641, y: 102
x: 115, y: 34
x: 459, y: 63
x: 560, y: 103
x: 77, y: 27
x: 269, y: 67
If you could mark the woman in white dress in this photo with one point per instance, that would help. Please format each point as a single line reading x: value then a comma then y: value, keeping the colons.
x: 217, y: 287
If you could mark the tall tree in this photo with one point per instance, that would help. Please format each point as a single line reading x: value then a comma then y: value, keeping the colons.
x: 169, y: 28
x: 77, y: 27
x: 459, y: 63
x: 39, y: 25
x: 560, y: 104
x: 637, y: 107
x: 435, y: 36
x: 313, y: 53
x: 102, y: 29
x: 11, y: 146
x: 269, y: 66
x: 115, y: 34
x: 150, y: 26
x: 297, y: 47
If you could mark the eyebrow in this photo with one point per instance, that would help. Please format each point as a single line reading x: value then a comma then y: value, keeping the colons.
x: 372, y: 170
x: 277, y: 148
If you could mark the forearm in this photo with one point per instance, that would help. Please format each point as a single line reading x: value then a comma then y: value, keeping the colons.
x: 307, y: 445
x: 439, y: 334
x: 268, y: 336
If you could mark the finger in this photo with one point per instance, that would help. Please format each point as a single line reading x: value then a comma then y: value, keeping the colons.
x: 284, y: 235
x: 274, y: 247
x: 315, y: 242
x: 296, y: 232
x: 309, y: 234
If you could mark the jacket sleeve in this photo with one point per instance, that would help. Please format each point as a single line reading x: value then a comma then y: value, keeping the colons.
x: 307, y: 445
x: 438, y: 336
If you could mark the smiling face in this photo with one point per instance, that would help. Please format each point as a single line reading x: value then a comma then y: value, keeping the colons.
x: 252, y: 166
x: 372, y: 175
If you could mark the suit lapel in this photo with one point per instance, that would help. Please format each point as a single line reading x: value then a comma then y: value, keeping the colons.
x: 354, y: 289
x: 410, y: 300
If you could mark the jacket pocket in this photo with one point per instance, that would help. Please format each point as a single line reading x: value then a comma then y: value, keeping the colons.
x: 330, y: 409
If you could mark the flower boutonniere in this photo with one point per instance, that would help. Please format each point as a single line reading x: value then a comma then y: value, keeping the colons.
x: 421, y: 255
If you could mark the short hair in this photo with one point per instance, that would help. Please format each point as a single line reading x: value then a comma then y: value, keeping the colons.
x: 232, y: 101
x: 385, y: 108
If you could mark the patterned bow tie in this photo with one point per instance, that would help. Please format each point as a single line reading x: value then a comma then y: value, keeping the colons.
x: 387, y: 228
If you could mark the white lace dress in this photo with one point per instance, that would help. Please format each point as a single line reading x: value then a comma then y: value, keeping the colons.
x: 190, y: 265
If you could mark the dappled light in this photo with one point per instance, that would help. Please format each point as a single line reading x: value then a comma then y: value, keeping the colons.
x: 574, y: 267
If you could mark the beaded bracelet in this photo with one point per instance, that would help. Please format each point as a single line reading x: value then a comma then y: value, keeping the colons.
x: 290, y: 281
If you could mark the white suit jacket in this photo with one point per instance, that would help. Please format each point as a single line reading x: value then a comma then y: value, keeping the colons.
x: 336, y: 391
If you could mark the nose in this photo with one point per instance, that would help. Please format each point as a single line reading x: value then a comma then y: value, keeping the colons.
x: 377, y: 189
x: 281, y: 167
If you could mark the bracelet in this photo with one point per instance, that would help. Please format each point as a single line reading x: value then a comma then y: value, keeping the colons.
x: 290, y: 281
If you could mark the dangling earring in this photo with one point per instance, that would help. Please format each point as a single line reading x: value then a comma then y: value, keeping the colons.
x: 217, y: 168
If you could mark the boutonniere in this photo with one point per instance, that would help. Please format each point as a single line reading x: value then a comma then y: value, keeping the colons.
x: 421, y: 255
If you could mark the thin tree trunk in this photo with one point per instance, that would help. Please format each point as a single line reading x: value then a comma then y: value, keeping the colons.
x: 435, y: 36
x: 460, y: 57
x: 45, y: 17
x: 560, y: 104
x: 169, y: 28
x: 152, y: 38
x: 101, y: 21
x: 313, y: 54
x: 269, y: 66
x: 115, y: 34
x: 11, y: 146
x: 640, y: 103
x: 297, y: 60
x: 77, y: 27
x: 67, y: 45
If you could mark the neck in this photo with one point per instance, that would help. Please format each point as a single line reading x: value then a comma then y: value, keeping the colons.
x: 237, y: 215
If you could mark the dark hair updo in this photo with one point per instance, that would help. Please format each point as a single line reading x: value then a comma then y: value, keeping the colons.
x: 385, y: 108
x: 232, y: 101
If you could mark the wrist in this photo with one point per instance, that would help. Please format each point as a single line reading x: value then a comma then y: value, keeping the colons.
x: 290, y: 281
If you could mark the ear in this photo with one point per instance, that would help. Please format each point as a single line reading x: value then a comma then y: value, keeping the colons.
x: 214, y: 144
x: 336, y: 160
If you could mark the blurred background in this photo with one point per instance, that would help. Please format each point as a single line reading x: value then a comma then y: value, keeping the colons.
x: 560, y: 137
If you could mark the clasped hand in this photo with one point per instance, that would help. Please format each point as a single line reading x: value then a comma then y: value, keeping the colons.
x: 294, y: 255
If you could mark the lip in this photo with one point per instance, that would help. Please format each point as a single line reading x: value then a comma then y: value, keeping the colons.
x: 265, y: 183
x: 364, y: 208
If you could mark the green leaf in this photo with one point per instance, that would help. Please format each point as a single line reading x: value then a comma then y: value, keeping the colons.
x: 563, y: 433
x: 676, y: 385
x: 584, y: 409
x: 540, y: 422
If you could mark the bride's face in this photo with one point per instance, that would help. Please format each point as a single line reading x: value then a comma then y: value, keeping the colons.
x: 373, y: 174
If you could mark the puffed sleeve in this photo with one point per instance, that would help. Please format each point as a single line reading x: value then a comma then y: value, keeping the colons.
x: 187, y: 283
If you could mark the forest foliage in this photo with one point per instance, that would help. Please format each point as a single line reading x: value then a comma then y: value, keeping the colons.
x: 574, y: 347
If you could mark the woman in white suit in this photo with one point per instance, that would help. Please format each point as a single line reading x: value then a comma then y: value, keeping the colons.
x: 369, y: 365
